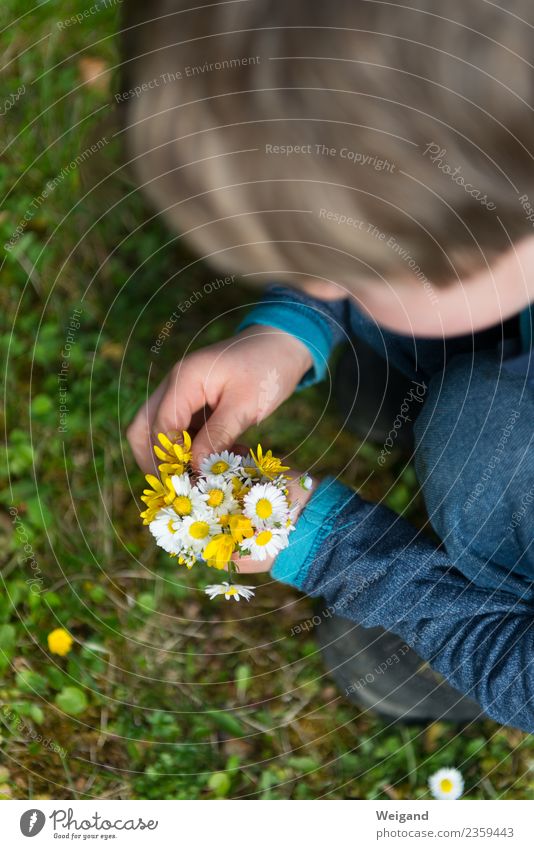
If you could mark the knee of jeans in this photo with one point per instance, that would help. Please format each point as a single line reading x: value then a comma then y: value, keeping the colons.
x: 472, y: 440
x: 432, y: 432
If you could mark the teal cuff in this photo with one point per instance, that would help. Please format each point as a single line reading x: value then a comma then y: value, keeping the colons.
x: 313, y: 525
x: 305, y: 324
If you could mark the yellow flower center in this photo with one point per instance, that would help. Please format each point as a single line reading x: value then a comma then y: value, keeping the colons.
x: 264, y: 508
x: 215, y: 497
x: 170, y: 527
x: 182, y: 505
x: 445, y: 785
x: 231, y: 591
x: 199, y: 530
x: 250, y: 471
x: 219, y: 467
x: 263, y: 538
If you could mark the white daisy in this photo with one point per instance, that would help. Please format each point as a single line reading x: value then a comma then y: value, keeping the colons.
x: 266, y: 506
x: 266, y: 543
x: 446, y: 784
x: 165, y: 530
x: 235, y: 591
x: 216, y: 492
x: 188, y: 499
x: 196, y: 531
x: 224, y: 463
x: 249, y: 471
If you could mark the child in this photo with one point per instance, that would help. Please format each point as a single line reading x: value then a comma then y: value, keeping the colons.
x: 378, y: 159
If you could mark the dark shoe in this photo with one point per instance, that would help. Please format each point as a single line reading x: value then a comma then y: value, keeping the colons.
x: 377, y: 671
x: 370, y: 393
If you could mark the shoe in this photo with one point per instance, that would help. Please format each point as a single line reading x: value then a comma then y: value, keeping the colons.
x: 377, y: 671
x: 369, y: 394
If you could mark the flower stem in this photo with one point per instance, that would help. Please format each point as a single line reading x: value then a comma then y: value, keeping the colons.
x: 233, y: 569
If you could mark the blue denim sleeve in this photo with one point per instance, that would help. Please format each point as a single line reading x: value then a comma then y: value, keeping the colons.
x: 373, y: 567
x: 320, y: 325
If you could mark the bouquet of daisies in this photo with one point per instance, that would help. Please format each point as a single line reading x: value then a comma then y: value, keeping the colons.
x: 235, y: 506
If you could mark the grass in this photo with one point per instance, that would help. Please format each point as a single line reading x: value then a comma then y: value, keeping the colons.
x: 164, y: 695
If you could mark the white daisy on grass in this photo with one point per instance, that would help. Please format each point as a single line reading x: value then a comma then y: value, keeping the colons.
x: 224, y: 463
x: 188, y: 499
x: 266, y: 543
x: 266, y: 506
x: 216, y: 491
x: 235, y: 591
x: 446, y: 784
x: 196, y: 531
x: 164, y: 527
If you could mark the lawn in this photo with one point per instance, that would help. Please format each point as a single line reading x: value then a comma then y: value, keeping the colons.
x: 163, y: 694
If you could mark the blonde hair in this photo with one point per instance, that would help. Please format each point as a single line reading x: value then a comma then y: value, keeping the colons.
x: 338, y: 140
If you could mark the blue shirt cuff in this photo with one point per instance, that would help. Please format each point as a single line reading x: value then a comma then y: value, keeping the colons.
x: 313, y: 525
x: 303, y: 322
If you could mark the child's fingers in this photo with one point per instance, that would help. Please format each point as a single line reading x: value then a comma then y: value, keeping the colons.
x: 227, y: 422
x: 248, y: 566
x: 139, y: 433
x: 183, y: 397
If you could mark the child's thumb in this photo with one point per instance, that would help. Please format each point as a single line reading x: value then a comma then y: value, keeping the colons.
x: 223, y: 428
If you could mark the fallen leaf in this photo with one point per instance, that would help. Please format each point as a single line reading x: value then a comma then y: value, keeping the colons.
x: 94, y: 73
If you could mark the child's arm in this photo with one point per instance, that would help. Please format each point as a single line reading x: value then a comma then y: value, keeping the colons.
x: 373, y: 567
x: 319, y: 325
x: 221, y: 390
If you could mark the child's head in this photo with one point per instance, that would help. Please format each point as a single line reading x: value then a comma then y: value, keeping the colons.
x: 380, y: 147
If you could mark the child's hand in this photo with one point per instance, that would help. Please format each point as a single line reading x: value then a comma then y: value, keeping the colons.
x: 299, y: 498
x: 221, y: 390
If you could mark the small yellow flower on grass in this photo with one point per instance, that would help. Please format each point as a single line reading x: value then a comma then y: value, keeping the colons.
x: 446, y: 784
x: 60, y: 641
x: 268, y: 465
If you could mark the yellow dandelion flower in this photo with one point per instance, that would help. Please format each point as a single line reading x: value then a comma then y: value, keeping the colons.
x: 59, y: 641
x: 240, y: 527
x: 175, y: 457
x: 161, y: 495
x: 268, y: 465
x: 219, y: 550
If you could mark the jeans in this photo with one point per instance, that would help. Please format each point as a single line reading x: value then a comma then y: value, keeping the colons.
x: 473, y: 455
x: 466, y: 605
